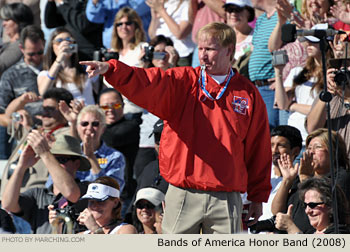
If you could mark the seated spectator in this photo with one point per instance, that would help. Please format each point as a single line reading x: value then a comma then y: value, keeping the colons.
x: 62, y: 69
x: 103, y: 214
x: 14, y: 17
x: 105, y: 161
x: 314, y: 163
x: 71, y: 15
x: 122, y: 135
x: 316, y: 194
x: 62, y: 160
x: 53, y: 125
x: 144, y: 209
x: 171, y: 19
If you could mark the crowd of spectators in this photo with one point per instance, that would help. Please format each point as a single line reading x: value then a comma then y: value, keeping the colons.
x: 77, y: 141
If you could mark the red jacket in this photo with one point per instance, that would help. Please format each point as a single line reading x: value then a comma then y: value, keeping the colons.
x: 207, y: 145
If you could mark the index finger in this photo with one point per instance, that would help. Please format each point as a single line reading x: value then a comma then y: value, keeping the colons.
x: 87, y: 63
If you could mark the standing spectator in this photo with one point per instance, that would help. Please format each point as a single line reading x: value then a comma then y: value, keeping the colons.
x: 215, y: 141
x: 71, y: 15
x: 14, y: 18
x: 261, y: 72
x: 104, y: 11
x: 61, y: 68
x: 32, y: 4
x: 170, y: 18
x: 21, y: 77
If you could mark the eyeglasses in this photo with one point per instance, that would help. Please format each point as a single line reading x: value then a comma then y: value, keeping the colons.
x: 31, y: 54
x: 234, y: 9
x: 315, y: 148
x: 126, y: 23
x: 111, y: 106
x: 142, y: 205
x: 93, y: 124
x: 312, y: 205
x: 49, y: 109
x: 65, y: 159
x: 59, y: 40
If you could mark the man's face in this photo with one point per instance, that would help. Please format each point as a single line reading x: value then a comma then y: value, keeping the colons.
x: 280, y: 145
x: 217, y: 59
x: 51, y: 116
x: 70, y: 163
x: 33, y: 52
x: 110, y: 102
x: 90, y: 126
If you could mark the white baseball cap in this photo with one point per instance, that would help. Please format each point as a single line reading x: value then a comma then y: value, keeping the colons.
x: 100, y: 192
x: 240, y: 3
x: 151, y: 194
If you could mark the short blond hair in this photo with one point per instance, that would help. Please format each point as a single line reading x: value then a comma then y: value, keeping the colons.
x: 223, y: 33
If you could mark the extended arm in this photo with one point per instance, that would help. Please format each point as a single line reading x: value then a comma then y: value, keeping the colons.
x: 216, y: 6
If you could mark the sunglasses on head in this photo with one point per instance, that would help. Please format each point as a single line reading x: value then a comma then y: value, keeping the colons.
x: 111, y: 106
x: 142, y: 205
x: 312, y: 205
x: 65, y: 159
x: 126, y: 23
x: 234, y: 9
x: 59, y: 40
x: 31, y: 54
x: 86, y: 123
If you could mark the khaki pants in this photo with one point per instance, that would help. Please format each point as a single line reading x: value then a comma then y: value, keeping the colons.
x: 190, y: 211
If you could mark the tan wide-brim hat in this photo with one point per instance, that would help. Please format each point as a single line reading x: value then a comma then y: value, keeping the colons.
x: 68, y: 145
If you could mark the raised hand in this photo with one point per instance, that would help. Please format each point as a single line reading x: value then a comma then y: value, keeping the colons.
x: 289, y: 172
x: 95, y: 68
x: 285, y: 221
x: 306, y: 169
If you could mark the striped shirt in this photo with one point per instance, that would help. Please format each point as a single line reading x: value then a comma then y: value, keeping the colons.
x: 260, y: 63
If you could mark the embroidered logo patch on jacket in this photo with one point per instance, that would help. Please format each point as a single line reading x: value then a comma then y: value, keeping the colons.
x: 240, y: 105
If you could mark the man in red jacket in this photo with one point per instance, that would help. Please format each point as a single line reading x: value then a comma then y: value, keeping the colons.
x: 215, y: 142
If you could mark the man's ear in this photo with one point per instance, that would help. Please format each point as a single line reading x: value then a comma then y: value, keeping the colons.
x: 21, y: 47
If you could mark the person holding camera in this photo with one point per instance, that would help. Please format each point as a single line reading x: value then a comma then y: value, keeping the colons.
x: 303, y: 84
x: 339, y: 106
x: 61, y: 68
x: 63, y: 158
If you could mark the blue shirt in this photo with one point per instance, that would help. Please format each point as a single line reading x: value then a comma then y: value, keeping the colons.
x: 260, y: 62
x: 104, y: 12
x: 112, y: 163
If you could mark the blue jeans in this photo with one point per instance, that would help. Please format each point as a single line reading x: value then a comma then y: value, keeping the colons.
x: 268, y: 96
x: 283, y: 115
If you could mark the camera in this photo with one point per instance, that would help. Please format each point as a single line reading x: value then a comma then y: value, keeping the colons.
x: 279, y: 58
x: 342, y: 77
x: 103, y: 54
x: 149, y: 51
x: 159, y: 55
x: 267, y: 225
x: 16, y: 117
x: 72, y: 48
x: 68, y: 211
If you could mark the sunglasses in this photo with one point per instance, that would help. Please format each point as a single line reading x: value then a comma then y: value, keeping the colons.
x: 142, y: 205
x: 312, y: 205
x: 59, y: 40
x: 48, y: 109
x: 111, y: 106
x: 234, y: 9
x: 31, y: 54
x: 126, y: 23
x: 64, y: 160
x: 93, y: 124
